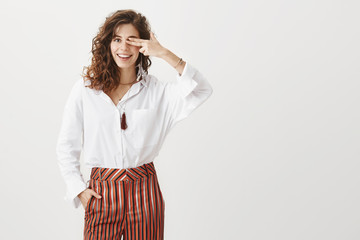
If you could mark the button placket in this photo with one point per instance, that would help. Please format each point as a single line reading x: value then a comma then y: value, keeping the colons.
x: 117, y: 131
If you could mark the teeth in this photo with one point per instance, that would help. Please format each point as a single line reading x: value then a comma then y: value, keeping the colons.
x: 124, y: 55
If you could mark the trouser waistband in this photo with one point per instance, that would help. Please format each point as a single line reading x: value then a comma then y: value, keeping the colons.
x: 125, y: 174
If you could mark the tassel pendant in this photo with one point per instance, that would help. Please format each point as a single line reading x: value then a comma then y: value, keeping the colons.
x: 123, y: 121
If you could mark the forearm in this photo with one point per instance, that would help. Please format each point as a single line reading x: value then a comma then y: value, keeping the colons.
x: 173, y: 60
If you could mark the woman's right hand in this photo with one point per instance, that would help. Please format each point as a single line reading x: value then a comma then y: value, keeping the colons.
x: 85, y: 196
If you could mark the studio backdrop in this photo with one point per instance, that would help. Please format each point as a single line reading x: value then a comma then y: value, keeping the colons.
x: 272, y: 154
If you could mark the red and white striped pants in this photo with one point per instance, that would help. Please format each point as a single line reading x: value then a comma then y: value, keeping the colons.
x: 131, y: 206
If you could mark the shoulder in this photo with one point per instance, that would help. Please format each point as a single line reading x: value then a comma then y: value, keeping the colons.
x: 77, y: 88
x: 81, y: 84
x: 152, y: 81
x: 150, y: 78
x: 154, y: 85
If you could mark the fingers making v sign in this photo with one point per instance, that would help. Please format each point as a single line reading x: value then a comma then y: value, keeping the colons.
x: 150, y: 47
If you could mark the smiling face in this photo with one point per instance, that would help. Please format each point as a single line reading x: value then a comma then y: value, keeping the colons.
x: 124, y: 54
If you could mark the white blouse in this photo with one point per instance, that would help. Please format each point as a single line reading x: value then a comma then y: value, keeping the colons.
x: 91, y: 123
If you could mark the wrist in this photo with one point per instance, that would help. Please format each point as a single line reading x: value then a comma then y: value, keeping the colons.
x: 164, y: 53
x: 81, y: 193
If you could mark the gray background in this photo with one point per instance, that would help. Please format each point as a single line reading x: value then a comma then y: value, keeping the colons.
x: 273, y: 153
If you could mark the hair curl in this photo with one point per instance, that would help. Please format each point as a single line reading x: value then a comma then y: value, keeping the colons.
x: 103, y: 71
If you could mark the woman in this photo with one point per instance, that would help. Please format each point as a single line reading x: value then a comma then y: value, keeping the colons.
x: 119, y: 115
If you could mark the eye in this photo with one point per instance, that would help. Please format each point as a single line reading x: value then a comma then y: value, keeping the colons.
x: 116, y: 39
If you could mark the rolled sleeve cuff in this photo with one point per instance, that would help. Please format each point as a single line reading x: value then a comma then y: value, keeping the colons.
x: 73, y: 191
x: 186, y: 80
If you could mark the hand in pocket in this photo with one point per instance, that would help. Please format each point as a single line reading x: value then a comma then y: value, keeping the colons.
x: 85, y: 196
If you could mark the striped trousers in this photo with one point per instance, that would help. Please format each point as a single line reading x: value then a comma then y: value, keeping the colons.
x: 132, y: 205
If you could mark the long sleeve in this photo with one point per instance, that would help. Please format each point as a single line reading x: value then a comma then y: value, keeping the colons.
x: 186, y: 93
x: 69, y: 145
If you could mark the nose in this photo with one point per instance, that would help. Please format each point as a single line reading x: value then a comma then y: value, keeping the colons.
x: 123, y: 45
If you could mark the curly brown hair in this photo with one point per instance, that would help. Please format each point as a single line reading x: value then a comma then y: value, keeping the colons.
x: 103, y: 71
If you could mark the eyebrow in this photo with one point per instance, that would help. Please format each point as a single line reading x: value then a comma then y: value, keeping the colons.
x: 128, y: 36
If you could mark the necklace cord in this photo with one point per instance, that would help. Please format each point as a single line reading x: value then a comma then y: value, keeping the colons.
x: 123, y: 116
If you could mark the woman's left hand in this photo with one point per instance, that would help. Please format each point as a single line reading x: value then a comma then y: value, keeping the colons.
x: 150, y: 47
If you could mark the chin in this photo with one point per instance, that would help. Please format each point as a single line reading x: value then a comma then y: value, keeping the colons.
x: 125, y: 64
x: 122, y: 65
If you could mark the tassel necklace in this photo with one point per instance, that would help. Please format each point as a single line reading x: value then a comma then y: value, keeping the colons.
x: 123, y: 116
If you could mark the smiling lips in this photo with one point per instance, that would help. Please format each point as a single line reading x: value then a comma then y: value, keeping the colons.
x: 123, y: 57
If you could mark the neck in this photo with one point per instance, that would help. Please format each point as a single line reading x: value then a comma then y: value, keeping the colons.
x: 127, y: 75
